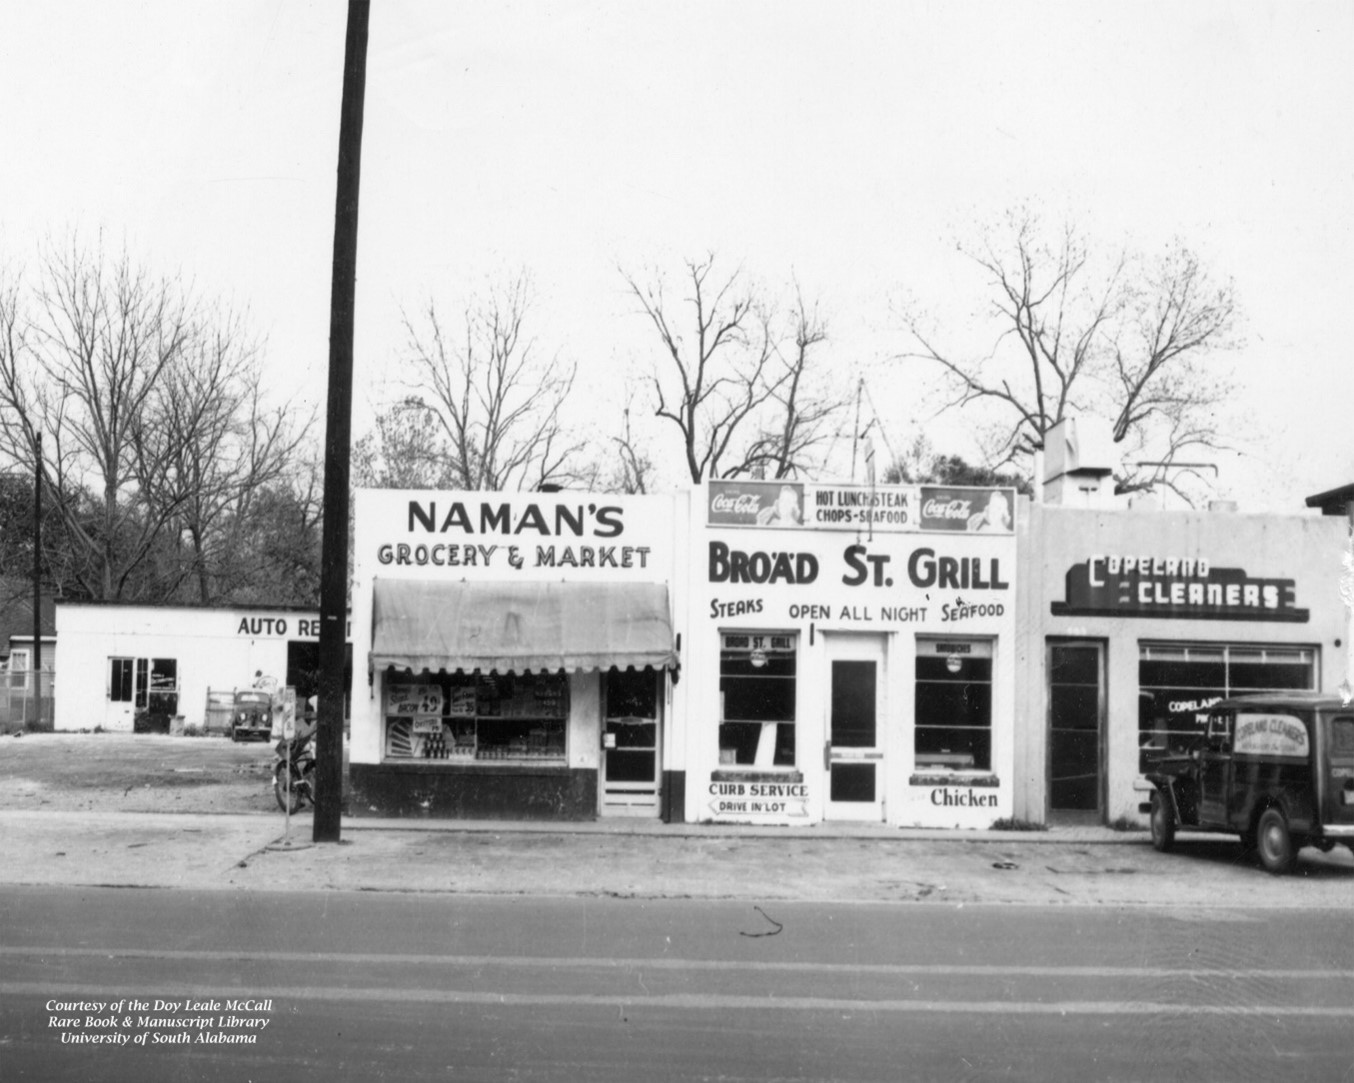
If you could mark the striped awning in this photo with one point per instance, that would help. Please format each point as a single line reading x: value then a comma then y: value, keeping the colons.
x: 505, y: 627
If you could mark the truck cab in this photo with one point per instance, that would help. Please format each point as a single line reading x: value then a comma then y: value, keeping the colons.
x: 1275, y: 770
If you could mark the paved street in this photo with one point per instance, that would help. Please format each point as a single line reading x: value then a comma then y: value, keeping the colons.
x: 400, y: 986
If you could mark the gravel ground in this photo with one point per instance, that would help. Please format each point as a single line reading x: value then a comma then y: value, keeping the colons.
x: 123, y: 772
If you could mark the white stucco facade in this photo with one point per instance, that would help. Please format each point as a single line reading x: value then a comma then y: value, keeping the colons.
x: 116, y: 658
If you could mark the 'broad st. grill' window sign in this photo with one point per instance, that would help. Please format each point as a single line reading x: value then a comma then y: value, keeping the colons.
x: 1171, y: 587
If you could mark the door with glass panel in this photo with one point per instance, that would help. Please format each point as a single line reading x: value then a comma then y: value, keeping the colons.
x: 126, y: 692
x: 1076, y: 718
x: 631, y: 713
x: 854, y: 753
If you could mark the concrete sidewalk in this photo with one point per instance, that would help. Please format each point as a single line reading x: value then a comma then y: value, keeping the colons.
x: 646, y: 860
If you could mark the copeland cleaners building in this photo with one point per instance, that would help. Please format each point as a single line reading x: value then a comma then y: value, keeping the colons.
x: 1136, y: 620
x: 851, y: 655
x: 515, y: 653
x: 127, y: 667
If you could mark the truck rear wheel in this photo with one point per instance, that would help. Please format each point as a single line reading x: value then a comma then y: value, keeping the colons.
x: 1274, y: 843
x: 1162, y: 819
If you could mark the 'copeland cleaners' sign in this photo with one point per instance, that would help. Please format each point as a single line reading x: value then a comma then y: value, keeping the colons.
x: 1186, y: 588
x: 1270, y: 735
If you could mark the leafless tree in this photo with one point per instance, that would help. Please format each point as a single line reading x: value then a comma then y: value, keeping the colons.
x: 155, y: 438
x: 406, y: 449
x: 729, y: 378
x: 1126, y: 339
x: 81, y: 370
x: 208, y: 448
x: 495, y: 398
x: 800, y: 420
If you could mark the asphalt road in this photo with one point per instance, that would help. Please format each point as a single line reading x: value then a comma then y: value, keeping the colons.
x: 388, y: 986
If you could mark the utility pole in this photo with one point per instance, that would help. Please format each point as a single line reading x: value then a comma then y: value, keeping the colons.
x: 338, y: 432
x: 37, y: 580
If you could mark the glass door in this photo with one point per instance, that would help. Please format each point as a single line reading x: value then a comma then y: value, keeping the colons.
x: 123, y: 694
x: 630, y: 783
x: 1076, y: 711
x: 854, y: 752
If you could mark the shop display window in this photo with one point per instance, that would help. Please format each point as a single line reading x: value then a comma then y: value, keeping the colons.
x: 757, y: 675
x: 149, y: 684
x: 162, y: 695
x: 477, y: 718
x: 1179, y: 682
x: 953, y: 726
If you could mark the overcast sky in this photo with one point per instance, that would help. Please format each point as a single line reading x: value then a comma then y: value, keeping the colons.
x: 845, y: 144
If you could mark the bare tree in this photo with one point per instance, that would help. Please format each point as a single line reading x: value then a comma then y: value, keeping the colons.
x: 81, y: 371
x: 1128, y: 340
x: 635, y: 467
x: 406, y: 449
x: 208, y: 448
x: 724, y: 379
x: 156, y: 442
x: 799, y: 422
x: 495, y: 398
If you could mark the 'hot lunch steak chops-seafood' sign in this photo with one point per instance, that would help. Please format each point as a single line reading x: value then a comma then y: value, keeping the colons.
x: 884, y: 508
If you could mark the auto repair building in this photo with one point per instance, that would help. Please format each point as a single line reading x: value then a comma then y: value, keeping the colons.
x: 127, y: 667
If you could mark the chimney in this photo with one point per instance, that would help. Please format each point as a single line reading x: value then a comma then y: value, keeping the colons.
x: 1079, y: 463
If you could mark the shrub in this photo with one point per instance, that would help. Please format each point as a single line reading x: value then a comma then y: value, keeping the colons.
x: 1011, y: 823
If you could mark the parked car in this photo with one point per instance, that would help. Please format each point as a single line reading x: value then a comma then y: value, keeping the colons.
x: 251, y: 717
x: 1275, y: 770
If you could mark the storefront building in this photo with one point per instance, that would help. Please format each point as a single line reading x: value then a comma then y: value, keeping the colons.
x: 1133, y: 622
x: 851, y: 655
x: 516, y: 654
x: 129, y: 667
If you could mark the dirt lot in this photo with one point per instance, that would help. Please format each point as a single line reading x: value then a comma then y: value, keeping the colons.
x: 123, y: 772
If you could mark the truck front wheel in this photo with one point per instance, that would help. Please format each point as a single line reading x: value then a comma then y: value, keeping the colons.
x: 1162, y: 818
x: 1274, y: 843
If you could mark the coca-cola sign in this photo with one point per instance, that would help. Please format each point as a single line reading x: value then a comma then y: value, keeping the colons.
x: 985, y: 510
x: 756, y: 503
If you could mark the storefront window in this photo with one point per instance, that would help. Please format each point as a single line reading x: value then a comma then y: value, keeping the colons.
x: 163, y: 695
x: 954, y: 704
x: 477, y: 718
x: 1177, y: 683
x: 757, y: 674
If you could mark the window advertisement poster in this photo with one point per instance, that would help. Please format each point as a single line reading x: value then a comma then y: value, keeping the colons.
x: 834, y: 673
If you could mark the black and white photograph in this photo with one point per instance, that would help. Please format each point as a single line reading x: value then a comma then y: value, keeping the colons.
x: 761, y: 541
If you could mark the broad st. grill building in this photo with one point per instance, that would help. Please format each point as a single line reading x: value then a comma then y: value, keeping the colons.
x: 851, y: 655
x: 1136, y: 620
x: 514, y: 653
